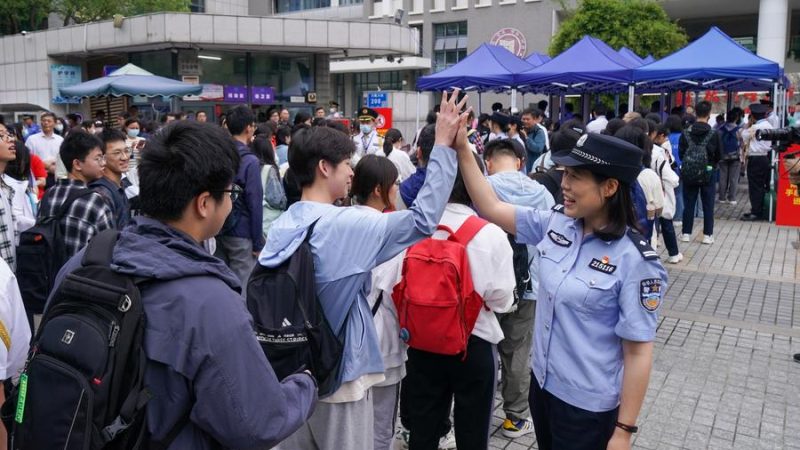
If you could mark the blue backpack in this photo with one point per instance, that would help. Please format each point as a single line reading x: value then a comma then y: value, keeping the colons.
x: 730, y: 142
x: 639, y: 205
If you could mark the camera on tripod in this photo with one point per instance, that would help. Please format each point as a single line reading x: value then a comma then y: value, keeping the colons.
x: 781, y: 139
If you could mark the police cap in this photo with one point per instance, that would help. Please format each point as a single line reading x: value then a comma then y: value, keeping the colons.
x: 367, y: 114
x: 759, y: 108
x: 500, y: 118
x: 604, y: 155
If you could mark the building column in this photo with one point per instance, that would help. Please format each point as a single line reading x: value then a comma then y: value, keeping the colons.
x: 773, y: 20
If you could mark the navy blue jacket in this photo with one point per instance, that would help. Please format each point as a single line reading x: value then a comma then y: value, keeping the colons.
x: 202, y: 353
x: 250, y: 207
x: 115, y: 199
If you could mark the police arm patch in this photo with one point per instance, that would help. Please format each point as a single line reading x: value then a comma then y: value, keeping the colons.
x: 650, y: 293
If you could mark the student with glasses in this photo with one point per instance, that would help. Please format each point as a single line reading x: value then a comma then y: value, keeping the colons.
x: 112, y: 184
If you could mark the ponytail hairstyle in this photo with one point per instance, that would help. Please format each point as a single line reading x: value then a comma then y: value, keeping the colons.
x: 373, y: 171
x: 389, y: 139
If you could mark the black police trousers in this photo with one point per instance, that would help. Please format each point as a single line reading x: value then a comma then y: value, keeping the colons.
x: 559, y: 425
x: 437, y: 380
x: 757, y: 183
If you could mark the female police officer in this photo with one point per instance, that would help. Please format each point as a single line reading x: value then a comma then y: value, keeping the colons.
x: 600, y: 289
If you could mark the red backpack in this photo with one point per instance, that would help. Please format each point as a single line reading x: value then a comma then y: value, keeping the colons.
x: 436, y: 301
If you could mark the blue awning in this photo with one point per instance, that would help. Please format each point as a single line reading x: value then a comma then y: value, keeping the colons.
x: 489, y: 67
x: 131, y: 80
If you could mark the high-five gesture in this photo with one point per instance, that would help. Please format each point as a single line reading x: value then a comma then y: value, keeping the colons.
x: 450, y: 119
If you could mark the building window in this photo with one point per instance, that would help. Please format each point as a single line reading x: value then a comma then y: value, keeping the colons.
x: 282, y: 6
x: 419, y: 38
x: 350, y: 2
x: 197, y: 6
x: 449, y: 45
x: 374, y: 81
x: 437, y: 5
x: 748, y: 42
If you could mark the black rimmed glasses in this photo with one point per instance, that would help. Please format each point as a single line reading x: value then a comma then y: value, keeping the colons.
x: 235, y: 191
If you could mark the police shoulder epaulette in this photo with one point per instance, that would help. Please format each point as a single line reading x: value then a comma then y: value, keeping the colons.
x: 641, y: 244
x: 558, y: 208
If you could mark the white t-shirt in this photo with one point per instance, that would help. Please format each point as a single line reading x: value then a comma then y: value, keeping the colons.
x: 597, y: 125
x: 47, y: 148
x: 15, y: 333
x: 491, y: 266
x: 402, y: 161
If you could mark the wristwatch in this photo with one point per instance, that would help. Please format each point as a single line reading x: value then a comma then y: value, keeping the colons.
x: 629, y: 428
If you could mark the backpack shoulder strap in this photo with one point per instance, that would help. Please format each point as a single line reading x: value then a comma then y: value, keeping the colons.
x: 100, y: 248
x: 78, y: 193
x: 469, y: 229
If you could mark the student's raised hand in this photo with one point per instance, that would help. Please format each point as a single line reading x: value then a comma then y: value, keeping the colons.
x: 461, y: 142
x: 449, y: 120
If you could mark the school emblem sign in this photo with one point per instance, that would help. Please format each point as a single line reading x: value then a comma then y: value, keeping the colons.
x: 512, y: 39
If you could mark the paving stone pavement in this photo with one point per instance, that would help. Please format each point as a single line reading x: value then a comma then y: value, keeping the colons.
x: 723, y: 375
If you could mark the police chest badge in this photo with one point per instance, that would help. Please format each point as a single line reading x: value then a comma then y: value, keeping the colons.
x: 559, y: 239
x: 602, y: 265
x: 650, y: 293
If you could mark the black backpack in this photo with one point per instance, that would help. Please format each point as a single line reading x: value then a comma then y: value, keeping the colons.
x: 694, y: 167
x: 289, y: 321
x: 82, y: 386
x: 730, y: 141
x: 40, y: 255
x: 522, y: 268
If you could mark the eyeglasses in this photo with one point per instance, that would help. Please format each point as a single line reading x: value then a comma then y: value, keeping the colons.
x: 8, y: 137
x: 235, y: 192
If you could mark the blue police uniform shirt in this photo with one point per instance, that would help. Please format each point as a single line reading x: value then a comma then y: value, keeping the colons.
x: 592, y: 295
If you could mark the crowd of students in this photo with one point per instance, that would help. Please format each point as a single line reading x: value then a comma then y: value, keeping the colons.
x: 198, y: 206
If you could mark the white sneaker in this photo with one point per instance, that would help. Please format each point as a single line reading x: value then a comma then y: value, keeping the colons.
x: 675, y: 259
x: 708, y: 239
x: 686, y: 237
x: 448, y: 441
x: 677, y: 223
x: 733, y: 203
x: 723, y: 202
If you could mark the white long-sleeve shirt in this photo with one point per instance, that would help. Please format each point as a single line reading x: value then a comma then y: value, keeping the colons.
x: 15, y: 333
x: 491, y: 266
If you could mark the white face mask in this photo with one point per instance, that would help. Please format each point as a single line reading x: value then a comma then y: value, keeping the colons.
x: 59, y: 127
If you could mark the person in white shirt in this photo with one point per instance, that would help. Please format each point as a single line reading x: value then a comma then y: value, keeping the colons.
x: 661, y: 163
x: 393, y: 140
x: 46, y: 144
x: 24, y: 203
x: 599, y: 123
x: 8, y: 234
x: 499, y: 125
x: 367, y: 141
x: 15, y: 333
x: 649, y: 181
x: 469, y: 377
x: 374, y: 189
x: 758, y: 162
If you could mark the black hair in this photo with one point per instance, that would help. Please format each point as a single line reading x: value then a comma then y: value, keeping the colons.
x: 238, y: 118
x: 311, y: 145
x: 459, y: 193
x: 497, y: 106
x: 338, y: 126
x: 370, y: 172
x: 542, y: 105
x: 574, y: 124
x: 77, y: 145
x: 262, y: 148
x: 732, y: 116
x: 564, y: 140
x: 600, y: 109
x: 663, y: 129
x: 392, y: 136
x: 132, y: 120
x: 655, y: 117
x: 639, y: 138
x: 652, y: 126
x: 20, y: 167
x: 623, y: 108
x: 282, y: 134
x: 481, y: 118
x: 299, y: 126
x: 430, y: 118
x: 503, y: 147
x: 318, y: 122
x: 578, y: 116
x: 318, y: 108
x: 86, y: 124
x: 46, y: 114
x: 621, y: 211
x: 675, y: 123
x: 425, y: 141
x: 182, y: 161
x: 677, y: 110
x: 641, y: 124
x: 721, y: 118
x: 110, y: 135
x: 301, y: 117
x: 703, y: 109
x: 613, y: 126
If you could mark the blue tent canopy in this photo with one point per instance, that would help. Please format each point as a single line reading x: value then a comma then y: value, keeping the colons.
x: 630, y: 54
x: 489, y: 67
x: 131, y: 80
x: 589, y: 65
x: 714, y: 61
x: 537, y: 59
x: 649, y: 59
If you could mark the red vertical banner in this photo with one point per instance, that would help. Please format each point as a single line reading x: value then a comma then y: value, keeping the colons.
x: 787, y: 195
x: 384, y: 121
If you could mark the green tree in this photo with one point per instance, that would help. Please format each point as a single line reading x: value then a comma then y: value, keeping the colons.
x: 23, y: 15
x: 641, y: 25
x: 83, y: 11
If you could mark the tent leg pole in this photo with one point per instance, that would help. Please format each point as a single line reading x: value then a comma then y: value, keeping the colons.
x: 513, y: 99
x: 631, y: 98
x: 480, y: 106
x: 616, y: 104
x: 417, y: 123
